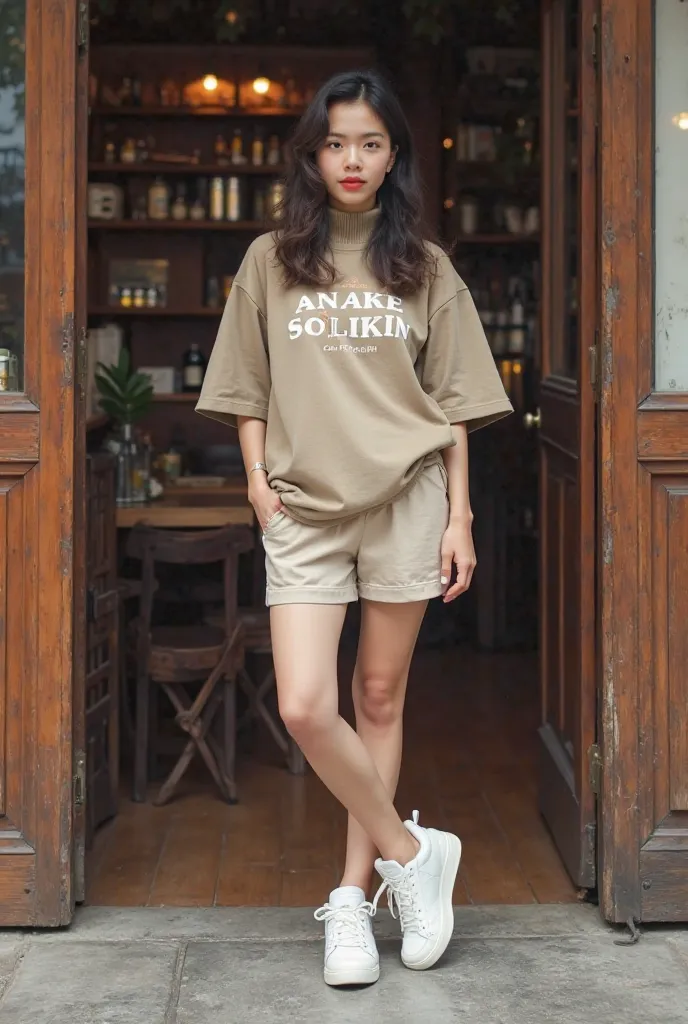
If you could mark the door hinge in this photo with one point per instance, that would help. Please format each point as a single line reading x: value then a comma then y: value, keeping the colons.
x: 595, y: 766
x: 82, y: 28
x: 79, y: 778
x: 82, y: 362
x: 592, y: 366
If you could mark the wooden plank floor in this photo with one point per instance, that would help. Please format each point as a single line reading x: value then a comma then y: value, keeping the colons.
x: 469, y: 766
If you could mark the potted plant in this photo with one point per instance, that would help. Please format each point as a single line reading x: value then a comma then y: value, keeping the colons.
x: 126, y: 395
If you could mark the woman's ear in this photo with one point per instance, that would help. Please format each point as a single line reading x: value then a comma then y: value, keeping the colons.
x: 392, y: 158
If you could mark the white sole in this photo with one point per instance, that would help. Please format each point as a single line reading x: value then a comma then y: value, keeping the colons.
x: 450, y: 869
x: 352, y: 976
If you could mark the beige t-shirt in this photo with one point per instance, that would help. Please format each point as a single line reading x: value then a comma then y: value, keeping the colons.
x: 358, y: 387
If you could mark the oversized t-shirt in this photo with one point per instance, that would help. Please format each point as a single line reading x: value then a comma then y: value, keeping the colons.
x: 359, y: 387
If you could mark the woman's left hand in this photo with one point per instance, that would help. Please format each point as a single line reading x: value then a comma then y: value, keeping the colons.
x: 457, y: 547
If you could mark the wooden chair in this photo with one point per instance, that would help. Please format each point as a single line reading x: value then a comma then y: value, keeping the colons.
x: 173, y: 657
x: 256, y: 623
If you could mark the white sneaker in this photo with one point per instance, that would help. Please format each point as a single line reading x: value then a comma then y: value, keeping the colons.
x: 422, y: 892
x: 351, y: 956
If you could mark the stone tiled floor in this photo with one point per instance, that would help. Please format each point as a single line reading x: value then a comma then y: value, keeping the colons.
x: 506, y: 965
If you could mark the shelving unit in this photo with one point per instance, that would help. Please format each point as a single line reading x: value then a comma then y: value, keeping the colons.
x: 132, y: 312
x: 185, y: 112
x: 176, y: 225
x: 186, y: 135
x: 151, y: 167
x: 490, y: 157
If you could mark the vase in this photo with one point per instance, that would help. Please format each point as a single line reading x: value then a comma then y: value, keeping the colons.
x: 131, y: 485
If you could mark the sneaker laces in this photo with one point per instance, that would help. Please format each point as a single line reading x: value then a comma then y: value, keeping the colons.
x: 348, y: 923
x: 403, y: 892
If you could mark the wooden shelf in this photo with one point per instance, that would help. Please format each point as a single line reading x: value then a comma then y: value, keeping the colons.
x: 176, y: 397
x: 149, y: 167
x: 176, y: 225
x: 200, y: 112
x: 155, y: 311
x: 497, y: 240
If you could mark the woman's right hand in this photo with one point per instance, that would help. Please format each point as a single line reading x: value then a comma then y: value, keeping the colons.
x: 266, y: 502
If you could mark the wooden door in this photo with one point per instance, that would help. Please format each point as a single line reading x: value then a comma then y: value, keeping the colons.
x: 37, y: 277
x: 567, y: 434
x: 643, y: 466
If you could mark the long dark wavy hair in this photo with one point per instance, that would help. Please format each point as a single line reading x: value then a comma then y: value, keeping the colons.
x: 396, y: 253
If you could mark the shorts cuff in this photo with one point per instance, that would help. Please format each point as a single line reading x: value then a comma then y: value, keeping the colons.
x: 403, y: 594
x: 310, y: 595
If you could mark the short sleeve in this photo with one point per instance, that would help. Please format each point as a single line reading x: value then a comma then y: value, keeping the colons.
x: 456, y: 367
x: 237, y: 380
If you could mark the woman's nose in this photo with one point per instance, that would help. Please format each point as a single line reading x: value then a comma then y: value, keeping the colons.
x: 353, y: 160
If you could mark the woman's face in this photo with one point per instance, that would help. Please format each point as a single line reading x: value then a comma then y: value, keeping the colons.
x: 355, y: 156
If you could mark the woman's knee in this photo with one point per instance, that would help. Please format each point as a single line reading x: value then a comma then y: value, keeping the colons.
x: 304, y: 717
x: 380, y: 699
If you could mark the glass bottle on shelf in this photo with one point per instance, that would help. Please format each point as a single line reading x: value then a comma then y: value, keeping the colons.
x: 131, y: 488
x: 146, y: 465
x: 237, y: 155
x: 220, y: 151
x: 234, y: 199
x: 110, y: 152
x: 274, y: 154
x: 180, y: 207
x: 193, y: 368
x: 257, y: 148
x: 212, y: 292
x: 159, y: 200
x: 259, y: 204
x: 217, y: 199
x: 199, y: 207
x: 127, y: 153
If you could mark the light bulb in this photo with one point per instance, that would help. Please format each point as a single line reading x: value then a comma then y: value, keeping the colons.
x: 261, y: 85
x: 447, y: 143
x: 681, y: 120
x: 210, y: 83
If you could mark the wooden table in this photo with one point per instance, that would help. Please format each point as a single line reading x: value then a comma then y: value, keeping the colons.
x: 188, y: 508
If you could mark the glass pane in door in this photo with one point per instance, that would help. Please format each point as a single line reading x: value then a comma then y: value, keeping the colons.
x: 12, y: 79
x: 671, y: 196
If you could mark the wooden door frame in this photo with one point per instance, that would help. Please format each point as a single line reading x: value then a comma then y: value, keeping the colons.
x: 567, y: 404
x: 643, y: 455
x: 36, y: 502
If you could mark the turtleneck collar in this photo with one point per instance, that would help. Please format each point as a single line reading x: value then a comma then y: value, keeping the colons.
x: 351, y: 230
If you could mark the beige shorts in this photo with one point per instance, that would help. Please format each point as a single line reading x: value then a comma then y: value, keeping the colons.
x: 389, y: 554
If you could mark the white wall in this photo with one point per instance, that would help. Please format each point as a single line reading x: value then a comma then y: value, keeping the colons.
x: 671, y: 197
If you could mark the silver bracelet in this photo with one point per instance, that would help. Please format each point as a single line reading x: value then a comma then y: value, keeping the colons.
x: 258, y: 465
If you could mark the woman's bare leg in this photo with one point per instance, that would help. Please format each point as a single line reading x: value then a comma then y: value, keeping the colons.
x: 305, y: 641
x: 388, y: 637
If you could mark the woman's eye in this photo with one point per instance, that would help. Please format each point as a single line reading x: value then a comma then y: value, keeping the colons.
x: 373, y: 145
x: 333, y: 145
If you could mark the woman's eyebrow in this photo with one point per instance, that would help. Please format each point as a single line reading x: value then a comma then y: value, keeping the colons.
x: 364, y: 135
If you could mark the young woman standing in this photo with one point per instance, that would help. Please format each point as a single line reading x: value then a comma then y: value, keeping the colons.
x: 352, y: 359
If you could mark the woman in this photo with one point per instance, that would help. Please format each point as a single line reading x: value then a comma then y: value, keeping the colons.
x: 352, y: 359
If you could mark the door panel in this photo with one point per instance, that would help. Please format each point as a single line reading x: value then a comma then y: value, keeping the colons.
x: 643, y: 488
x: 36, y: 486
x: 567, y: 441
